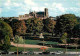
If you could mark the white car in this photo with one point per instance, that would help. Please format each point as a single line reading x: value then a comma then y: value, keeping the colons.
x: 58, y: 52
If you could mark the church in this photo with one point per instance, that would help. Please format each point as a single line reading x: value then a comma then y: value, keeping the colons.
x: 41, y: 14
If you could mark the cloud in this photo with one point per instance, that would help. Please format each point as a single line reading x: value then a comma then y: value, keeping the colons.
x: 74, y: 9
x: 0, y: 10
x: 8, y: 3
x: 17, y: 4
x: 78, y: 4
x: 21, y: 13
x: 44, y: 0
x: 30, y: 2
x: 38, y: 8
x: 46, y: 4
x: 59, y: 7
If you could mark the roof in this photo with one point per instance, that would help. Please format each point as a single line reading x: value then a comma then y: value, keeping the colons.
x: 40, y: 13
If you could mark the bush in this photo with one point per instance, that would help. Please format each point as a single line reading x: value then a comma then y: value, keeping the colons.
x: 6, y: 44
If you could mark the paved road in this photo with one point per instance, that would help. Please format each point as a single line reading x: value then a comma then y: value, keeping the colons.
x: 45, y: 55
x: 37, y: 54
x: 29, y: 45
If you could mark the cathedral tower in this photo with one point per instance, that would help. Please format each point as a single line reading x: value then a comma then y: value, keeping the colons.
x: 46, y: 12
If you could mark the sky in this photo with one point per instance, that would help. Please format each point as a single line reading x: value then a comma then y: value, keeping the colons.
x: 11, y: 8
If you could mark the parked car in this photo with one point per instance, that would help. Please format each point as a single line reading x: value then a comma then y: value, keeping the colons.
x: 19, y: 52
x: 0, y: 53
x: 4, y: 52
x: 59, y: 52
x: 30, y: 53
x: 46, y: 52
x: 40, y: 53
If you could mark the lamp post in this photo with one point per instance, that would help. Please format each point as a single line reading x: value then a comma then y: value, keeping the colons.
x: 41, y: 36
x: 24, y: 44
x: 17, y: 44
x: 17, y: 49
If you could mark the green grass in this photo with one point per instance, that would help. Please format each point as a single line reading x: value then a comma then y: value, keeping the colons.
x: 38, y: 41
x: 37, y: 49
x: 22, y: 49
x: 62, y: 49
x: 50, y: 42
x: 32, y: 41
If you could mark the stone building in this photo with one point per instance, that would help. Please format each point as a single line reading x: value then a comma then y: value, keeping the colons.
x: 42, y: 15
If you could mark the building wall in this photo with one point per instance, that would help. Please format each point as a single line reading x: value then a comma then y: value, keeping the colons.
x: 46, y: 12
x: 33, y: 14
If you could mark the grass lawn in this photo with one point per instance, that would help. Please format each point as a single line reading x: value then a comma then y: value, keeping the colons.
x: 28, y: 40
x: 37, y: 49
x: 22, y: 49
x: 38, y: 41
x: 32, y: 41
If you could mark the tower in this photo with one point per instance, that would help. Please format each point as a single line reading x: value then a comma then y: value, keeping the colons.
x: 34, y: 14
x: 46, y: 12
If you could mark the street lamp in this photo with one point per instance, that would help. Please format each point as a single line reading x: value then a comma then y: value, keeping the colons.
x: 41, y: 36
x: 24, y: 43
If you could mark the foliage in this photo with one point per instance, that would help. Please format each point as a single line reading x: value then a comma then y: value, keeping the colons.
x: 76, y: 31
x: 7, y: 21
x: 5, y: 30
x: 6, y: 44
x: 21, y: 40
x: 65, y: 23
x: 49, y: 25
x: 34, y: 25
x: 12, y: 22
x: 19, y: 27
x: 18, y: 39
x: 64, y: 38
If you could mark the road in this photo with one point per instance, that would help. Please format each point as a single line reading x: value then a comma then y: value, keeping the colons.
x: 28, y: 45
x: 37, y: 54
x: 45, y: 55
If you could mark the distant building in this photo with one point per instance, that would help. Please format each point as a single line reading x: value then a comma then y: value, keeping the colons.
x: 52, y: 18
x: 42, y: 15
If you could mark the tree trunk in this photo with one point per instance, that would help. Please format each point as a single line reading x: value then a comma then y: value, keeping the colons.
x: 34, y: 33
x: 52, y: 34
x: 2, y: 41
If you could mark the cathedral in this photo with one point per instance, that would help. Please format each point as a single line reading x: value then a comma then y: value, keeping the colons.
x: 42, y: 15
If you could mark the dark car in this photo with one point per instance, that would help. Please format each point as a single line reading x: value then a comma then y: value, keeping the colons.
x: 19, y: 52
x: 40, y: 53
x: 46, y: 52
x: 30, y: 53
x: 0, y: 53
x: 4, y: 52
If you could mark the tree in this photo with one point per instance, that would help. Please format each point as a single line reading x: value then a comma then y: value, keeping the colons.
x: 7, y: 21
x: 19, y: 28
x: 6, y: 34
x: 34, y: 25
x: 6, y: 44
x: 5, y: 30
x: 12, y: 22
x: 65, y: 23
x: 76, y: 31
x: 64, y: 38
x: 18, y: 39
x: 29, y: 24
x: 49, y: 25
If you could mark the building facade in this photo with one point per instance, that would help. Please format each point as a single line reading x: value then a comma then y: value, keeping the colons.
x: 42, y: 15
